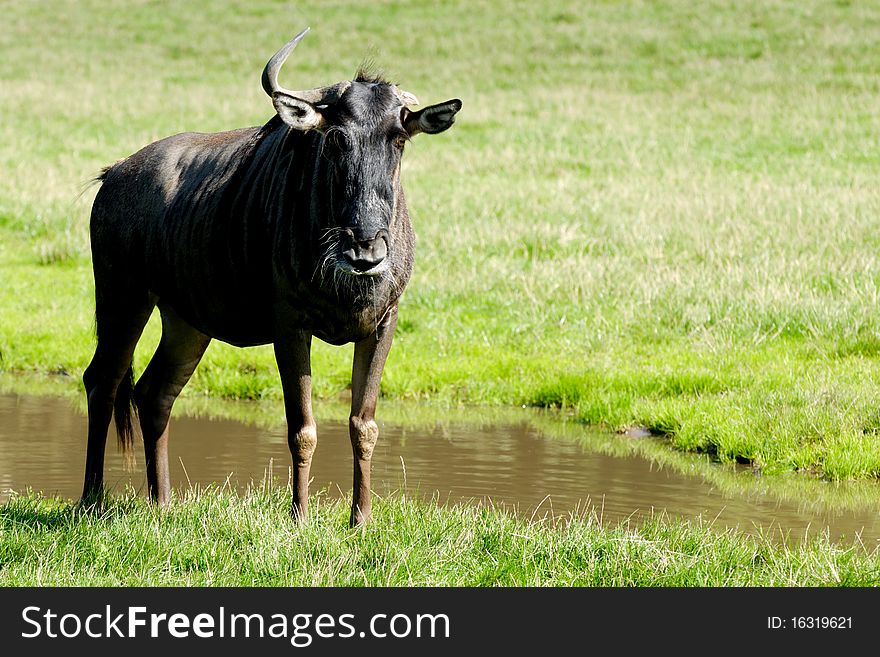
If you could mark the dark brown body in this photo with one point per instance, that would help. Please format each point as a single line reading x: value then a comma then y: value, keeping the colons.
x: 207, y: 224
x: 262, y: 235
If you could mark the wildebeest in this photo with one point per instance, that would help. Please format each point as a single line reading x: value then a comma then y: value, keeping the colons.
x: 271, y: 234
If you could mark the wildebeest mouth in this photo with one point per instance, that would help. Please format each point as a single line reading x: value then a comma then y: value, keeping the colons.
x: 342, y: 257
x: 362, y: 254
x: 344, y: 267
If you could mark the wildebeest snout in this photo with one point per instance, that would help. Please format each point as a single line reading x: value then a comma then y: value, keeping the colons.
x: 364, y: 253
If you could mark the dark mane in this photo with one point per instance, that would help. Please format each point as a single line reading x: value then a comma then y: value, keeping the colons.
x: 368, y: 73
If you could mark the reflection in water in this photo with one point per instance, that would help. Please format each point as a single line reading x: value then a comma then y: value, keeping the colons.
x: 42, y: 447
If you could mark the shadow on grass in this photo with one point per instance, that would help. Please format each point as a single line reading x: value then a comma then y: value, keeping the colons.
x: 31, y: 510
x: 49, y: 514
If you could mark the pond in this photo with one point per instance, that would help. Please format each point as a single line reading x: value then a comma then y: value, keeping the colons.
x: 509, y: 462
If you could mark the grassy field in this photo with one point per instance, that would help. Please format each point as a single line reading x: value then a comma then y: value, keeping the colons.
x: 652, y: 213
x: 221, y: 538
x: 648, y: 213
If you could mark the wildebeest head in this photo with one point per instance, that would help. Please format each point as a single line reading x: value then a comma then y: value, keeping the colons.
x: 365, y: 124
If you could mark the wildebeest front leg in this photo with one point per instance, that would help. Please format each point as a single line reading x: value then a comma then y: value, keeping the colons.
x: 369, y: 361
x: 294, y: 365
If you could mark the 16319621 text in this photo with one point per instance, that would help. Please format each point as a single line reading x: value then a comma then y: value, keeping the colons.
x: 809, y: 623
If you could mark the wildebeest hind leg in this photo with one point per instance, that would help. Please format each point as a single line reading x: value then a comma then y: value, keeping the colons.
x: 179, y: 352
x: 119, y: 327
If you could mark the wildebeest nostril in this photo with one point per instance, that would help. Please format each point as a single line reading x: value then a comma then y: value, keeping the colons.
x: 366, y: 254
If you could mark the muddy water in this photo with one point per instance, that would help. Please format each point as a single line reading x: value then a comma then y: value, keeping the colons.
x: 42, y: 447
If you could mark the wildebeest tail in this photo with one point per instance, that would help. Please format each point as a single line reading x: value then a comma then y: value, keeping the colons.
x: 97, y: 180
x: 105, y: 171
x: 123, y: 410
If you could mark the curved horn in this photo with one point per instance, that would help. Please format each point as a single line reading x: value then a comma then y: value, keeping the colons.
x: 318, y: 96
x: 270, y: 73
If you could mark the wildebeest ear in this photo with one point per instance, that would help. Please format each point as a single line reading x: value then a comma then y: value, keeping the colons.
x: 432, y: 119
x: 296, y: 112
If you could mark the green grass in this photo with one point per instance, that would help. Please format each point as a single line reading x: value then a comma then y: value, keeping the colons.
x: 217, y: 537
x: 651, y: 213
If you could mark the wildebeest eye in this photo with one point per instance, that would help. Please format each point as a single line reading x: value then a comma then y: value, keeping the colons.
x: 399, y: 142
x: 337, y: 140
